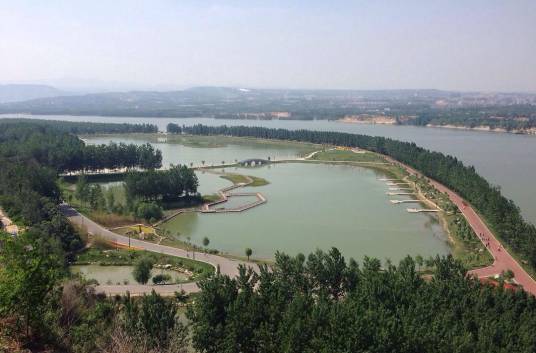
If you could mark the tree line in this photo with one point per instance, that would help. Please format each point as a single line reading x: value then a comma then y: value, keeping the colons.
x: 501, y: 213
x: 82, y: 128
x: 161, y: 185
x: 63, y: 151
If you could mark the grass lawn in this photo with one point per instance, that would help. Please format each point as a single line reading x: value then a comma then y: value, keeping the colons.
x: 239, y: 178
x: 471, y: 252
x: 216, y: 141
x: 347, y: 156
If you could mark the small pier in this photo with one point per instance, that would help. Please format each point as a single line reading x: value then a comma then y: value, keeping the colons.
x: 400, y: 193
x: 395, y: 184
x: 226, y: 193
x: 260, y: 200
x: 385, y: 179
x: 419, y: 210
x: 404, y: 201
x: 399, y: 189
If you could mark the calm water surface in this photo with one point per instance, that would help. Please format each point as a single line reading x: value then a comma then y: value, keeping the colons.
x: 316, y: 206
x: 506, y: 160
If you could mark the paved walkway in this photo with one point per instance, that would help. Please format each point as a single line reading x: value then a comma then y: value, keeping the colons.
x: 502, y: 259
x: 227, y: 266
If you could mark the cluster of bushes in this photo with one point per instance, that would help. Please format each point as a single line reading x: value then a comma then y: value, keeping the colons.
x: 165, y: 185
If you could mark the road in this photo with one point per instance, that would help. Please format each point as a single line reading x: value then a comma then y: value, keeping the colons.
x: 226, y: 266
x: 503, y: 260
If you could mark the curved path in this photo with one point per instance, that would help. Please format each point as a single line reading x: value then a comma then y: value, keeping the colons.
x: 226, y: 266
x: 502, y: 259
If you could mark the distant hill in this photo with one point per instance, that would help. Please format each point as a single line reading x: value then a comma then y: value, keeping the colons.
x: 215, y: 101
x: 514, y: 112
x: 22, y: 92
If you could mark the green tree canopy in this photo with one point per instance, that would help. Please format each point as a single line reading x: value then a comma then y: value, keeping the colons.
x: 142, y: 270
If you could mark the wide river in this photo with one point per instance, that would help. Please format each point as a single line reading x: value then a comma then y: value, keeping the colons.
x: 310, y: 206
x: 504, y: 159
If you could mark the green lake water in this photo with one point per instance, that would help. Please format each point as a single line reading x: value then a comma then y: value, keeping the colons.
x: 309, y: 206
x: 314, y: 206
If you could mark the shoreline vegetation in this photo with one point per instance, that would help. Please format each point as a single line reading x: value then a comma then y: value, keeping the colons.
x: 387, y: 120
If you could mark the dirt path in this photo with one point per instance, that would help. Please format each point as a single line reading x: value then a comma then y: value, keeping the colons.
x: 7, y: 224
x: 310, y: 155
x: 502, y: 259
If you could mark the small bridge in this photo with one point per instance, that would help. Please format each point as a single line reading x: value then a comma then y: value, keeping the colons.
x: 253, y: 162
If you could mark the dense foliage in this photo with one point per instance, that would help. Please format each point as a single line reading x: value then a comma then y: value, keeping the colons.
x: 49, y: 145
x: 324, y: 304
x: 29, y: 268
x: 142, y: 270
x: 82, y: 128
x: 167, y: 185
x: 501, y: 213
x: 30, y: 196
x: 155, y: 320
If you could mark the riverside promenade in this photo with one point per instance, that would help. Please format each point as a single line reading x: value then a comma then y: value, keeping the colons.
x: 502, y: 259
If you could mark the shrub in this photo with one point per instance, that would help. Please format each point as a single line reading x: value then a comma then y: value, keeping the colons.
x: 161, y: 278
x: 148, y: 211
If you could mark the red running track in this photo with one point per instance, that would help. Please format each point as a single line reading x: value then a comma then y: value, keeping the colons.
x: 502, y: 259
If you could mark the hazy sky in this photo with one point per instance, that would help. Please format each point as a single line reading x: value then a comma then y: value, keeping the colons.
x: 462, y: 45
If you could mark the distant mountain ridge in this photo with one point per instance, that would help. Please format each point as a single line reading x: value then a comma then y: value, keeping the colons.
x: 22, y: 92
x: 505, y: 111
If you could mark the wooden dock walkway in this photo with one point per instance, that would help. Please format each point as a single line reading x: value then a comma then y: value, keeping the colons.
x: 225, y: 193
x: 405, y: 201
x: 419, y: 210
x: 260, y: 200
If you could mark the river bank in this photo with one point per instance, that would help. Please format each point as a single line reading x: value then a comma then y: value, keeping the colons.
x: 485, y: 128
x: 385, y: 120
x: 503, y: 260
